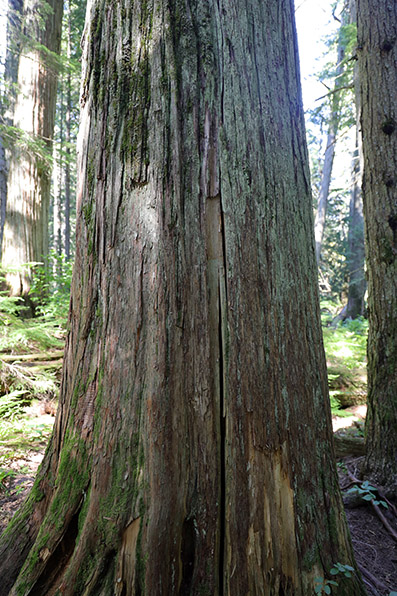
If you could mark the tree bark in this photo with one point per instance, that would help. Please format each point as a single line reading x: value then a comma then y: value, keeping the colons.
x: 192, y: 451
x: 377, y: 29
x: 26, y: 226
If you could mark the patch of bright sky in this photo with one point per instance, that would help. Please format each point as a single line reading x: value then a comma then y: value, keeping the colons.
x: 3, y: 23
x: 314, y: 21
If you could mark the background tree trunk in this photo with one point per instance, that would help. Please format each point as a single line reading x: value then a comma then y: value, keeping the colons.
x: 26, y: 227
x: 192, y: 451
x: 322, y: 203
x: 3, y: 189
x: 377, y: 29
x: 356, y: 249
x: 68, y: 140
x: 14, y: 13
x: 58, y: 186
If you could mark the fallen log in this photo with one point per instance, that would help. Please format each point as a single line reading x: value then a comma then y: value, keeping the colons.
x: 32, y: 357
x: 348, y: 444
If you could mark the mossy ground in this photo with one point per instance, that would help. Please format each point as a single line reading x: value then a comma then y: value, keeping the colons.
x: 345, y: 347
x: 30, y: 370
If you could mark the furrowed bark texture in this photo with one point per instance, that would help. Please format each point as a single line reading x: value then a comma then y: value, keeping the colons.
x: 193, y: 449
x: 377, y: 34
x: 26, y: 225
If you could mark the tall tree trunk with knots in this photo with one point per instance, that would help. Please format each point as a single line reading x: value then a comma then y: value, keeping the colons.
x: 377, y: 35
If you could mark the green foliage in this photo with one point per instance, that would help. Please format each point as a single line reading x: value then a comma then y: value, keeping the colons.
x: 67, y: 122
x: 323, y: 586
x: 5, y: 475
x: 345, y: 347
x: 337, y: 77
x: 50, y: 292
x: 18, y: 437
x: 334, y: 111
x: 367, y: 492
x: 50, y: 288
x: 345, y: 570
x: 38, y: 17
x: 333, y: 263
x: 11, y: 405
x: 347, y: 343
x: 28, y: 143
x: 23, y: 335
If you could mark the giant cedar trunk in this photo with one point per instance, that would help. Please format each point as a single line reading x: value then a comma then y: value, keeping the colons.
x: 377, y: 29
x: 26, y: 226
x: 192, y: 451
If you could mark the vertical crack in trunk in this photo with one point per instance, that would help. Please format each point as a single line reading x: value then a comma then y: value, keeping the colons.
x: 222, y: 439
x: 216, y: 283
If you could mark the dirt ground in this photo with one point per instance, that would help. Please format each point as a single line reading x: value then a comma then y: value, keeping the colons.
x: 375, y: 548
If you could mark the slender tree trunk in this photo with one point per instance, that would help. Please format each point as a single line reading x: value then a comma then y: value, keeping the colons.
x: 68, y: 141
x: 356, y: 249
x: 14, y: 43
x: 3, y: 189
x: 8, y: 100
x: 58, y: 175
x: 192, y: 451
x: 377, y: 26
x: 58, y: 188
x: 26, y: 226
x: 322, y: 204
x: 321, y: 213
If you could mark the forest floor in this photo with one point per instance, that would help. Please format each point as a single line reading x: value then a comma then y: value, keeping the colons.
x: 373, y: 527
x: 24, y: 434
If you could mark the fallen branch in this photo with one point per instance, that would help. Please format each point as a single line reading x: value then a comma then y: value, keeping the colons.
x: 384, y: 521
x: 376, y: 508
x: 379, y: 585
x: 32, y: 357
x: 348, y: 445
